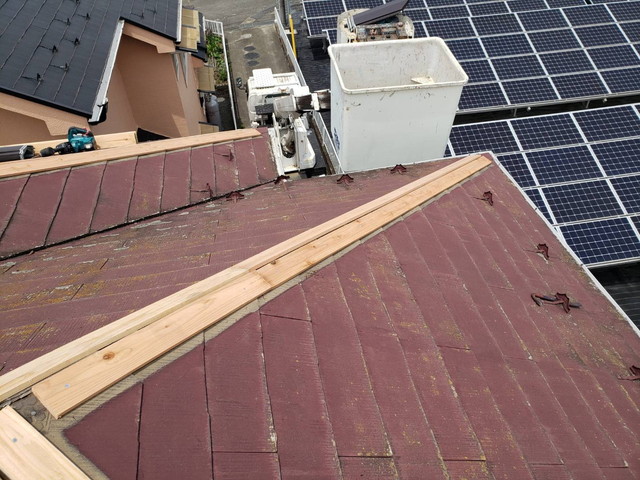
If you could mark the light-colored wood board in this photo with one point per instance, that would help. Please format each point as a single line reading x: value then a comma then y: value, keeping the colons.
x: 26, y: 454
x: 206, y: 128
x: 36, y: 165
x: 81, y: 381
x: 110, y: 140
x: 190, y: 37
x: 190, y: 17
x: 206, y: 78
x: 32, y: 372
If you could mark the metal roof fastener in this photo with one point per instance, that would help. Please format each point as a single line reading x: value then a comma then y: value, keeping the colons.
x: 398, y: 169
x: 557, y: 299
x: 346, y: 179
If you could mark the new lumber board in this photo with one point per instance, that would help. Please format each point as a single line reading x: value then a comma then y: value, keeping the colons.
x: 110, y: 140
x: 26, y: 454
x: 77, y: 383
x: 57, y: 162
x: 25, y: 376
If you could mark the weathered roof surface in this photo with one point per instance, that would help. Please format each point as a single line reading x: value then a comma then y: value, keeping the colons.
x: 68, y: 76
x: 44, y: 209
x: 418, y: 354
x: 62, y: 292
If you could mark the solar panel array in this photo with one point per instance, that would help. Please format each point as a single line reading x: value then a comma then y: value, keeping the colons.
x: 521, y: 53
x: 581, y: 170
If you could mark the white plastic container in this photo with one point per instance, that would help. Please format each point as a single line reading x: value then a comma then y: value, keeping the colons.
x: 393, y: 101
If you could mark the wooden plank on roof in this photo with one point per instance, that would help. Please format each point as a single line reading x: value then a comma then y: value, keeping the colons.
x: 25, y: 453
x: 86, y: 378
x: 35, y: 165
x: 32, y: 372
x: 110, y: 140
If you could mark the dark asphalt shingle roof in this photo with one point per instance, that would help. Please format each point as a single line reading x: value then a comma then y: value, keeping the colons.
x: 55, y: 51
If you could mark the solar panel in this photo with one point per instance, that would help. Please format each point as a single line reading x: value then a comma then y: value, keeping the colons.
x: 609, y: 123
x: 631, y: 30
x: 554, y: 40
x: 580, y: 85
x: 626, y: 80
x: 323, y: 8
x: 481, y: 137
x: 452, y: 28
x: 443, y: 3
x: 483, y: 95
x: 419, y: 14
x: 497, y: 24
x: 466, y: 49
x: 603, y: 241
x: 628, y: 189
x: 418, y: 30
x: 507, y: 45
x: 625, y: 11
x: 588, y: 15
x: 526, y: 5
x: 518, y: 168
x: 566, y: 62
x: 534, y: 90
x: 600, y: 35
x: 536, y: 197
x: 548, y: 156
x: 582, y: 201
x: 457, y: 11
x: 565, y: 3
x: 479, y: 71
x: 415, y: 4
x: 318, y: 24
x: 351, y: 4
x: 546, y: 131
x: 612, y: 57
x: 490, y: 8
x: 542, y: 20
x: 563, y: 165
x: 333, y: 36
x: 518, y: 67
x: 619, y: 158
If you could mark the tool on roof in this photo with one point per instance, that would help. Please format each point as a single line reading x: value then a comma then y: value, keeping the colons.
x: 557, y: 299
x: 16, y: 152
x: 78, y: 140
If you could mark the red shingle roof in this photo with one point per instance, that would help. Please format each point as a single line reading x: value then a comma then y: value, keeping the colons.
x: 418, y: 354
x: 52, y: 207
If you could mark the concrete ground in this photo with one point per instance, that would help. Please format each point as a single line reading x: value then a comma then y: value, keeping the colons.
x: 252, y: 41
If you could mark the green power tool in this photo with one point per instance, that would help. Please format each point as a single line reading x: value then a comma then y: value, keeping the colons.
x: 78, y: 140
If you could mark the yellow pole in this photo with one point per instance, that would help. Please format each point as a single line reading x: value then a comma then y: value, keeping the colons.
x: 293, y: 37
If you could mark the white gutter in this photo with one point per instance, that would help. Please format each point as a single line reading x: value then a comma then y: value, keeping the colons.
x: 101, y: 97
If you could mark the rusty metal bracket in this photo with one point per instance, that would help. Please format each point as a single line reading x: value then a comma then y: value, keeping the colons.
x: 486, y: 197
x: 543, y: 249
x: 635, y: 374
x: 557, y: 299
x: 345, y: 179
x: 234, y: 196
x: 398, y: 169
